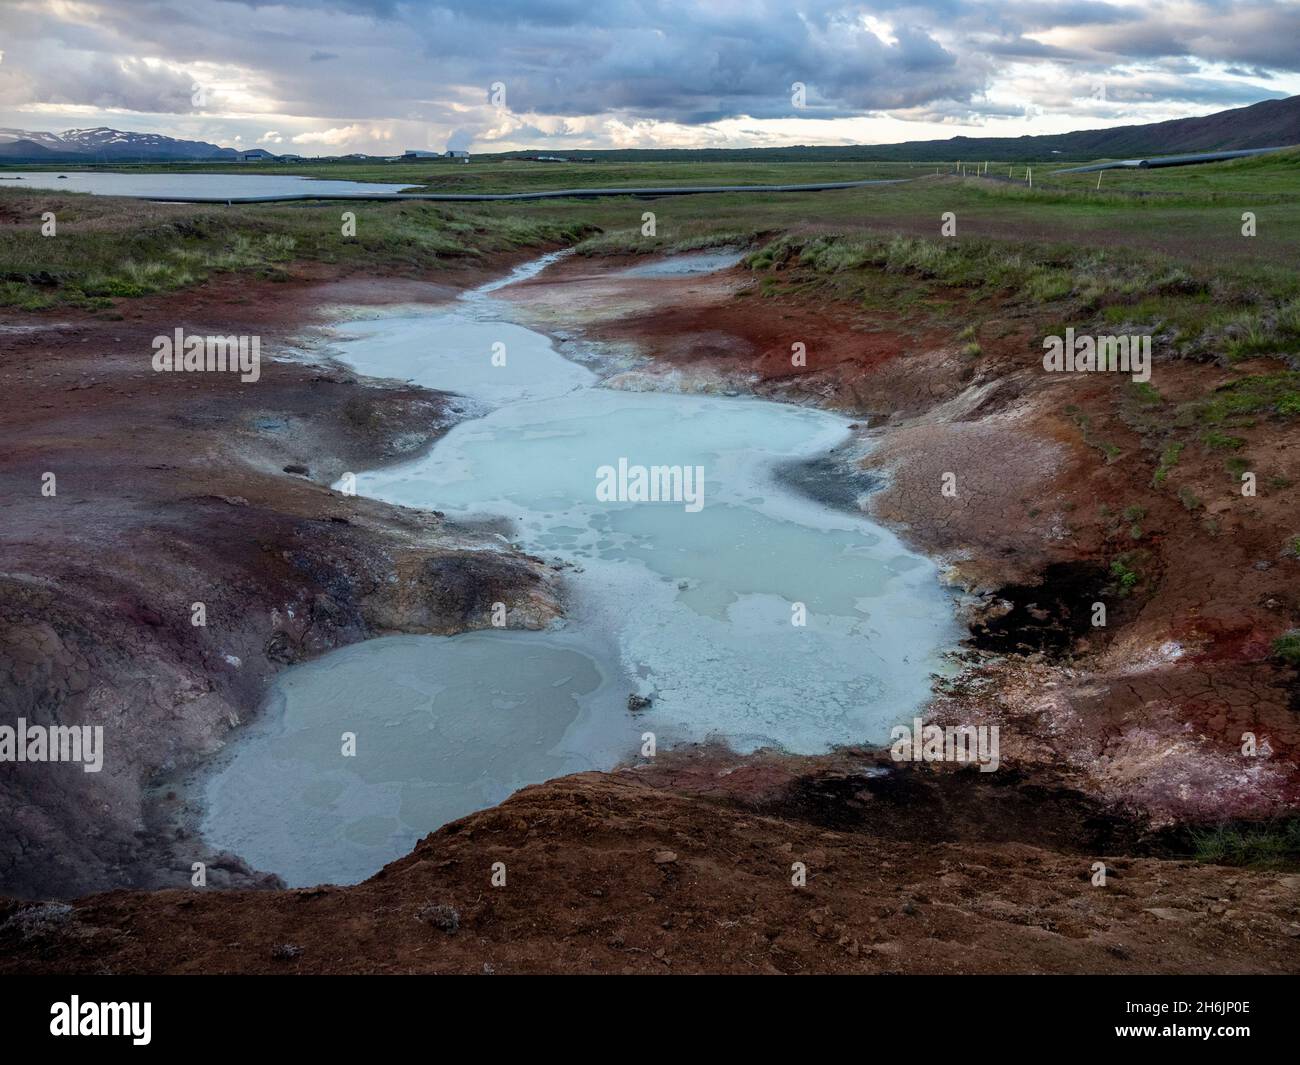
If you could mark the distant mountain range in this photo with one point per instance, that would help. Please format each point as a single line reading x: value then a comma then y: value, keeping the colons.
x: 1271, y: 123
x: 1268, y: 124
x: 103, y: 145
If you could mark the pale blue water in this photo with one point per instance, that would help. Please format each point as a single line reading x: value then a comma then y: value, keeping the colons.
x: 108, y: 183
x: 442, y: 727
x: 691, y: 606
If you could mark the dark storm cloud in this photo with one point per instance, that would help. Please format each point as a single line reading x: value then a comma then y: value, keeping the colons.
x: 1028, y: 49
x: 1253, y: 72
x: 116, y: 84
x: 685, y: 61
x: 1188, y: 90
x: 1039, y: 16
x: 729, y: 65
x: 1257, y: 34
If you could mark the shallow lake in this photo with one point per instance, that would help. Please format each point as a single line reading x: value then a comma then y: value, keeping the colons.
x: 107, y: 183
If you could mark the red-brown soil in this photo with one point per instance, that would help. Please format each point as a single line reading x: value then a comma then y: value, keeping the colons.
x: 607, y: 873
x: 1149, y: 711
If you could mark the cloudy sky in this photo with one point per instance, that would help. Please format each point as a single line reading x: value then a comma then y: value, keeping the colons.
x: 330, y: 76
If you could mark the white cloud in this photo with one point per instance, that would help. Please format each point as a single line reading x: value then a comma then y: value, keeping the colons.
x: 344, y: 136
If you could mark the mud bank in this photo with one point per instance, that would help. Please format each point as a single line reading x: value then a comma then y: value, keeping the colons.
x: 174, y: 490
x: 612, y: 873
x: 1054, y: 487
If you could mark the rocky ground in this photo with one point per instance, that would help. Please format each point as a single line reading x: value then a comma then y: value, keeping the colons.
x: 177, y: 489
x: 1112, y: 739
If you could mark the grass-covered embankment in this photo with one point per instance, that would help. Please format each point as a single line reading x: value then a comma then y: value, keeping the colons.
x: 105, y: 249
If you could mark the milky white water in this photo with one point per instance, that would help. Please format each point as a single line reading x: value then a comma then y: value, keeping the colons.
x: 691, y: 607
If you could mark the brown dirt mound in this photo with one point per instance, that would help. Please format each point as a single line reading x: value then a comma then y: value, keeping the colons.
x: 605, y: 873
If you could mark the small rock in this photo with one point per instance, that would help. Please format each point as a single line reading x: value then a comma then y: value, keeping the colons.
x: 285, y: 952
x: 279, y: 648
x: 638, y: 702
x: 41, y: 918
x: 298, y: 468
x: 441, y: 916
x: 665, y: 857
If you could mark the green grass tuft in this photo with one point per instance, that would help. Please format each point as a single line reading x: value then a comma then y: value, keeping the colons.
x: 1264, y: 846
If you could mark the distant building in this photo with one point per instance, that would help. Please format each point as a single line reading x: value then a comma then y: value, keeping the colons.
x: 416, y: 153
x: 254, y: 155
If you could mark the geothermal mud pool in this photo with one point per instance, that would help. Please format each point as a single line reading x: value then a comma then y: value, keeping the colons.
x: 695, y: 603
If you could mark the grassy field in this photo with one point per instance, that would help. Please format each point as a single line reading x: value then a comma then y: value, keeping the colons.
x: 1159, y: 245
x: 515, y: 175
x: 1276, y: 176
x: 1156, y: 252
x: 1265, y: 179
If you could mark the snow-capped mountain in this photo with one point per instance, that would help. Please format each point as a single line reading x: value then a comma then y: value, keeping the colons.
x: 102, y: 144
